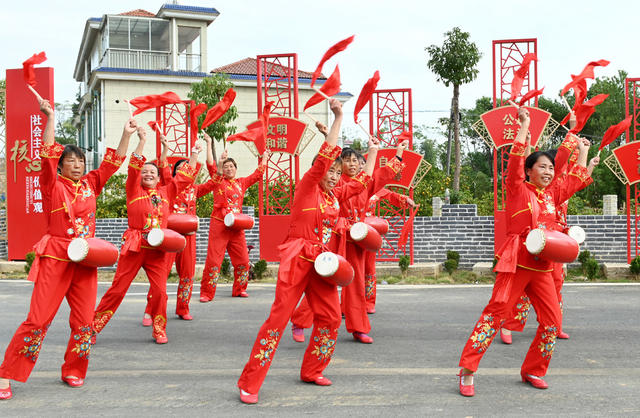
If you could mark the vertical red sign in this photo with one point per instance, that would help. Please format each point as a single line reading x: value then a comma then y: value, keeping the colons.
x: 26, y: 220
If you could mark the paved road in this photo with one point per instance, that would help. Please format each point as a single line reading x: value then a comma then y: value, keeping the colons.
x: 409, y: 370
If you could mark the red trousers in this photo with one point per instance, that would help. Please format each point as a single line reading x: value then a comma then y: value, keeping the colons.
x: 155, y: 264
x: 354, y: 303
x: 56, y: 280
x: 541, y: 290
x: 325, y: 305
x: 186, y: 267
x: 520, y: 312
x: 370, y: 279
x: 222, y: 238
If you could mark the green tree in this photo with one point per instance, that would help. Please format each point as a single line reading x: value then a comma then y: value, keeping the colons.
x: 210, y: 91
x: 66, y: 132
x: 454, y: 63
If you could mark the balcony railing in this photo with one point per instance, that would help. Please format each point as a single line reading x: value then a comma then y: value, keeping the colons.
x: 142, y: 60
x: 148, y: 60
x: 189, y: 62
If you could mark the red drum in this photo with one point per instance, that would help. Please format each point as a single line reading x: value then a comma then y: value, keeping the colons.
x: 334, y: 268
x: 166, y: 240
x: 366, y: 236
x: 379, y: 224
x: 238, y: 221
x: 92, y: 252
x: 183, y: 223
x: 552, y: 245
x: 576, y: 232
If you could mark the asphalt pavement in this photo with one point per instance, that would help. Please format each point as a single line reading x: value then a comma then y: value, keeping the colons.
x: 409, y: 370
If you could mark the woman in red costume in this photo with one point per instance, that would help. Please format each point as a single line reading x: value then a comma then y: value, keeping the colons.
x: 147, y: 208
x: 520, y: 314
x: 354, y: 303
x: 303, y: 316
x: 314, y: 217
x: 228, y: 194
x: 69, y: 200
x: 530, y: 204
x: 184, y: 202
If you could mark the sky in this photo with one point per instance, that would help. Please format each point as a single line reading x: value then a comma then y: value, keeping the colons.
x: 391, y: 37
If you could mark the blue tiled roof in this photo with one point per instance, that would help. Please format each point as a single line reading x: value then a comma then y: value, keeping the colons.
x: 156, y: 72
x: 195, y: 9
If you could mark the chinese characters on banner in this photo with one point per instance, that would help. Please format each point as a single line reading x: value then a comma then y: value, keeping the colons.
x: 412, y: 161
x: 283, y: 133
x: 502, y: 125
x: 26, y: 220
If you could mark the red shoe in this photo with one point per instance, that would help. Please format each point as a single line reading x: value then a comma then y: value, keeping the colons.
x: 247, y: 397
x: 242, y: 294
x: 563, y: 335
x: 320, y: 381
x: 162, y: 339
x: 6, y: 393
x: 186, y: 317
x: 465, y: 390
x: 298, y: 334
x: 371, y: 310
x: 506, y: 338
x: 362, y: 337
x: 535, y: 381
x: 147, y: 322
x: 205, y: 299
x: 74, y: 382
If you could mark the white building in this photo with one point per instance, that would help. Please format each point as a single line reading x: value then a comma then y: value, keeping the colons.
x: 137, y: 53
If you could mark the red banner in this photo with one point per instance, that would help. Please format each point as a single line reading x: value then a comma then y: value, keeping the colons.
x: 26, y: 221
x: 628, y: 156
x: 283, y: 133
x: 411, y: 160
x: 502, y: 125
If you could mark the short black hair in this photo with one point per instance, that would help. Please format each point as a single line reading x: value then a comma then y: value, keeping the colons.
x: 153, y: 164
x: 534, y: 157
x: 348, y: 152
x: 177, y: 164
x: 230, y: 160
x: 71, y: 150
x: 361, y: 158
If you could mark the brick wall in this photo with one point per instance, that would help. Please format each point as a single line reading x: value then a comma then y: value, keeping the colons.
x: 459, y: 229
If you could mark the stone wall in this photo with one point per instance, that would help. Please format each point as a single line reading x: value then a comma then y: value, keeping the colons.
x: 459, y: 229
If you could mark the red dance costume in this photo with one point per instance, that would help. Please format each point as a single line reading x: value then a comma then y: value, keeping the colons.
x: 522, y: 307
x: 314, y: 218
x: 184, y: 202
x: 228, y: 195
x: 370, y: 283
x: 527, y: 207
x: 146, y: 209
x: 71, y: 208
x: 354, y: 304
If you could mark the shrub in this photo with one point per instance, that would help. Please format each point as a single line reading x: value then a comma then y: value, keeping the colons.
x: 450, y: 265
x: 453, y: 255
x: 404, y: 262
x: 29, y: 257
x: 583, y: 257
x: 634, y: 267
x: 259, y: 269
x: 591, y: 268
x: 225, y: 268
